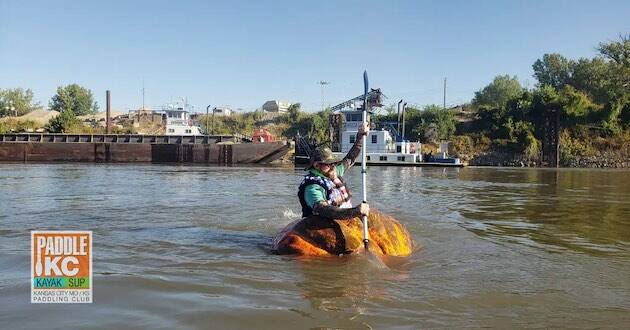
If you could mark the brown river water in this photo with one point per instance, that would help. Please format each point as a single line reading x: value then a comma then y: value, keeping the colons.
x: 188, y: 247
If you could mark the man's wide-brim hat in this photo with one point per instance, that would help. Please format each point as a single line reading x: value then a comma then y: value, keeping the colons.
x: 321, y: 155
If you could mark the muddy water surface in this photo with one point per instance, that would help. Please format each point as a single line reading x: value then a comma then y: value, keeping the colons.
x: 188, y: 247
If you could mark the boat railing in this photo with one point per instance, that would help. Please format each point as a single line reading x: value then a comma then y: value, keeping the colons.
x: 122, y: 138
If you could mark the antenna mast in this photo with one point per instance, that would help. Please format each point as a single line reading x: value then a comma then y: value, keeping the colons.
x: 323, y: 83
x: 143, y: 93
x: 444, y: 92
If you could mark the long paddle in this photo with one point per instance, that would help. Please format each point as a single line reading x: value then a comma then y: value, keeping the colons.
x: 366, y: 239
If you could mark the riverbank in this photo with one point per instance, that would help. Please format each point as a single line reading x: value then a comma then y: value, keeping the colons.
x: 604, y: 160
x: 613, y: 152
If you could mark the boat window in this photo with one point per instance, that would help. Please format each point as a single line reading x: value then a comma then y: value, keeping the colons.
x: 383, y: 158
x: 374, y: 138
x: 368, y: 157
x: 171, y: 130
x: 354, y: 117
x: 353, y: 138
x: 398, y: 148
x: 401, y: 158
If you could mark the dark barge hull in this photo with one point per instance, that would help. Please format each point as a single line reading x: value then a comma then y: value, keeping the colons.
x: 222, y: 150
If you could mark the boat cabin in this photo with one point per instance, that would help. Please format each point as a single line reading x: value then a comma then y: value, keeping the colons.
x: 178, y: 122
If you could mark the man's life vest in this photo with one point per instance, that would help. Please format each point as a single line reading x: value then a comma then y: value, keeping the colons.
x: 334, y: 194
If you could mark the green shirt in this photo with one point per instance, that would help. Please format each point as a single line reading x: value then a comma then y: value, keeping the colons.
x: 314, y: 193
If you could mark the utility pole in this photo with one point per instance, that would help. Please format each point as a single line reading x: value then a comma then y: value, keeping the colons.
x: 404, y: 108
x: 208, y: 117
x: 213, y: 110
x: 323, y: 83
x: 398, y: 121
x: 108, y: 111
x: 444, y: 92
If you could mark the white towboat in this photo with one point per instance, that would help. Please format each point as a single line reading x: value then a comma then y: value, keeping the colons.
x: 178, y: 121
x: 383, y: 149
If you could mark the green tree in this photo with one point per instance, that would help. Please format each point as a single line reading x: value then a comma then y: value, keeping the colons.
x: 294, y: 112
x: 17, y: 98
x: 498, y: 93
x: 318, y: 127
x: 413, y: 123
x: 553, y: 70
x: 618, y: 108
x: 625, y: 117
x: 520, y: 108
x: 74, y: 98
x: 431, y: 124
x: 576, y: 106
x: 443, y: 119
x: 573, y: 106
x: 314, y: 125
x: 592, y: 76
x: 524, y: 139
x: 617, y: 51
x: 545, y: 99
x: 492, y: 104
x: 391, y: 109
x: 63, y: 123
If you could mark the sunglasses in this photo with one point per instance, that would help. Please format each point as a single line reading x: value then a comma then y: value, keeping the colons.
x: 322, y: 164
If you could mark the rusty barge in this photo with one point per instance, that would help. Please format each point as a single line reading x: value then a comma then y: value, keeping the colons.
x: 129, y: 148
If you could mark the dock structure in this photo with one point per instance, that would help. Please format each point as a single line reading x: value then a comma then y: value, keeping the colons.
x: 121, y: 148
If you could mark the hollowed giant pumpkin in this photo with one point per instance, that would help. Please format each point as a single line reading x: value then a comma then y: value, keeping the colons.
x: 318, y: 236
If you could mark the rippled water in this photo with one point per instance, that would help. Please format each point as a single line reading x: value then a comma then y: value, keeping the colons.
x: 188, y: 247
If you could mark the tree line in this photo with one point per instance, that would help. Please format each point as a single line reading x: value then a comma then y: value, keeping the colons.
x: 590, y: 95
x: 70, y: 101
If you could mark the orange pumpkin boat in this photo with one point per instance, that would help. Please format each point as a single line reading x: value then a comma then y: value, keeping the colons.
x: 318, y: 236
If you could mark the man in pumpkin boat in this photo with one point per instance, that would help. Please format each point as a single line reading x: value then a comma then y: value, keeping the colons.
x: 324, y: 196
x: 323, y: 191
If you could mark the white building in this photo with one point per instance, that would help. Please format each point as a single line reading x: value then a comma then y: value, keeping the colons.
x: 276, y: 106
x: 222, y: 111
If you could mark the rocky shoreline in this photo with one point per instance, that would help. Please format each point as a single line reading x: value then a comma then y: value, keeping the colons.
x: 496, y: 158
x: 605, y: 160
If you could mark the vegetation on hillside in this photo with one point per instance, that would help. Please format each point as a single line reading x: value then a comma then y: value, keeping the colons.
x: 13, y: 125
x: 70, y: 101
x: 283, y: 125
x: 74, y: 98
x: 428, y: 125
x: 16, y: 101
x: 591, y: 97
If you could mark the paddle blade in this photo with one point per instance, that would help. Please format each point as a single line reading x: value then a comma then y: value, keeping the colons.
x: 374, y: 259
x: 365, y: 83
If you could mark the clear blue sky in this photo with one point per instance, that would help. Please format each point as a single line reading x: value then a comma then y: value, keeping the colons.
x: 242, y: 53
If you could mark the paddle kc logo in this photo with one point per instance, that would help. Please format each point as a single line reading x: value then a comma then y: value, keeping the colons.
x: 61, y: 267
